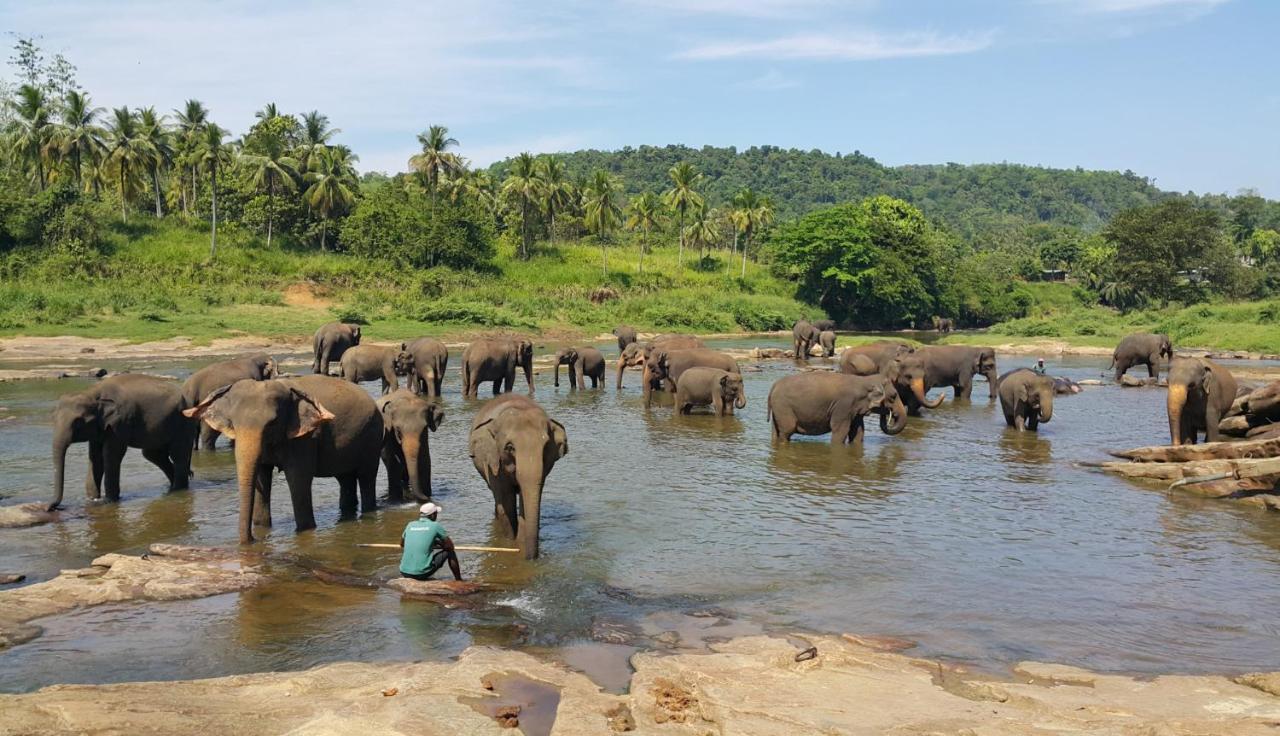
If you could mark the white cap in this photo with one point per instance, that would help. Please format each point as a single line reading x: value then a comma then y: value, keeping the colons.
x: 429, y: 508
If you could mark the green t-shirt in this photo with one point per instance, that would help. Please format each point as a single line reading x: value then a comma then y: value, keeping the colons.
x: 420, y: 537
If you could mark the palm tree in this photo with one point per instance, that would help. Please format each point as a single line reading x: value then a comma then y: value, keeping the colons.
x: 213, y: 153
x: 272, y: 169
x: 524, y: 184
x: 602, y: 211
x: 31, y: 130
x: 129, y: 151
x: 316, y: 135
x: 190, y: 119
x: 753, y: 213
x: 159, y: 140
x: 332, y: 181
x: 482, y: 187
x: 557, y: 189
x: 435, y: 158
x: 643, y: 214
x: 702, y: 231
x: 683, y: 195
x: 79, y: 137
x: 268, y: 112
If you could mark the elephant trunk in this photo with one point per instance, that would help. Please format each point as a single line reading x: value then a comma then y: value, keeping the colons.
x: 61, y: 441
x: 917, y: 388
x: 899, y: 412
x: 741, y: 401
x: 529, y: 477
x: 248, y: 453
x: 412, y: 447
x: 622, y: 366
x: 1046, y: 405
x: 556, y: 373
x: 1177, y: 400
x: 992, y: 380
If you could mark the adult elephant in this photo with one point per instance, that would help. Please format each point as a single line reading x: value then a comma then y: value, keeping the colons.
x: 665, y: 365
x: 118, y: 413
x: 1026, y: 397
x: 407, y: 418
x: 583, y: 363
x: 822, y: 325
x: 956, y: 365
x: 376, y: 363
x: 626, y: 335
x: 330, y: 342
x: 719, y: 389
x: 496, y: 359
x: 429, y: 358
x: 635, y: 354
x: 881, y: 353
x: 827, y: 339
x: 803, y: 337
x: 900, y: 363
x: 824, y: 401
x: 514, y: 445
x: 1200, y: 394
x: 311, y: 427
x: 1141, y: 348
x: 200, y: 384
x: 943, y: 324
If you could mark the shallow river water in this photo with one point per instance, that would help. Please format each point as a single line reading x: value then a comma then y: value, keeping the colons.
x: 983, y: 545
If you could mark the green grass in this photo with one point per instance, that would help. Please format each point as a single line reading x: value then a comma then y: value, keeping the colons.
x: 156, y: 282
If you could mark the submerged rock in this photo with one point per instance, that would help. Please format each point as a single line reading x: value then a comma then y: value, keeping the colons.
x: 25, y: 514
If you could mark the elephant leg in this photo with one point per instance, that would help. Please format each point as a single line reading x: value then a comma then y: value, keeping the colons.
x: 498, y: 384
x: 1032, y: 421
x: 437, y: 380
x: 1122, y: 365
x: 180, y: 453
x: 93, y: 480
x: 1151, y: 368
x: 965, y: 389
x: 347, y: 495
x: 113, y: 451
x: 262, y: 490
x: 208, y: 436
x: 159, y: 457
x: 858, y: 430
x: 299, y: 480
x: 324, y: 361
x: 393, y: 460
x: 1019, y: 422
x: 367, y: 479
x: 1009, y: 419
x: 840, y: 429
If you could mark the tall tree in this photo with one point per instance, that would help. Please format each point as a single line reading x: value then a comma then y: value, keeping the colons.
x: 190, y: 120
x: 602, y: 211
x: 524, y: 185
x: 557, y: 188
x: 331, y: 186
x: 160, y: 153
x: 273, y: 170
x: 31, y: 131
x: 683, y: 195
x: 80, y: 137
x: 702, y: 230
x: 1162, y: 247
x: 643, y: 215
x: 759, y: 217
x: 316, y: 135
x: 214, y: 155
x: 128, y: 154
x: 435, y: 159
x: 268, y: 112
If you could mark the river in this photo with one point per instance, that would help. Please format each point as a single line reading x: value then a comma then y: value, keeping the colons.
x: 983, y: 545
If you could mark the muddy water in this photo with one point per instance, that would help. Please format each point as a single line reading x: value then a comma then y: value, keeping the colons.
x: 983, y: 545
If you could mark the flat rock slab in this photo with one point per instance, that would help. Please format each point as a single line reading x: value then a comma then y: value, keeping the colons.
x: 435, y: 588
x: 7, y: 578
x: 26, y: 514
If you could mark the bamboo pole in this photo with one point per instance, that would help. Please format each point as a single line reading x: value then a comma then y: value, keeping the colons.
x: 458, y: 547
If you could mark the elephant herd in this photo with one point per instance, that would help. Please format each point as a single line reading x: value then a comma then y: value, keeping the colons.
x: 323, y: 426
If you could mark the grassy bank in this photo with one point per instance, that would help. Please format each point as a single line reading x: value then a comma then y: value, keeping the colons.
x: 1059, y: 316
x: 155, y: 281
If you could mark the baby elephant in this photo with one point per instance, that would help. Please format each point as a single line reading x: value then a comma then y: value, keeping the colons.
x: 718, y: 389
x: 827, y: 339
x: 406, y: 420
x: 373, y: 362
x: 1026, y: 398
x: 583, y: 363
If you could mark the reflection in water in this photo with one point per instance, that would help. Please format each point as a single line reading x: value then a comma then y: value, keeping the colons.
x: 981, y: 543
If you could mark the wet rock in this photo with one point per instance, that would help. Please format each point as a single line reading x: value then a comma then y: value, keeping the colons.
x: 11, y: 578
x: 1134, y: 382
x: 880, y: 643
x: 88, y: 350
x: 771, y: 353
x: 667, y: 639
x: 1267, y: 682
x: 25, y: 514
x: 1091, y: 382
x: 507, y: 716
x: 672, y: 701
x: 411, y: 588
x: 620, y: 718
x: 613, y: 632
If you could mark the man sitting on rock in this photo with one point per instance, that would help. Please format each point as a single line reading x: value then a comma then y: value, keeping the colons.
x: 427, y: 546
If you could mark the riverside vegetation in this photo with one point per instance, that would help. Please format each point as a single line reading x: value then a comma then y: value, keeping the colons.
x: 133, y: 223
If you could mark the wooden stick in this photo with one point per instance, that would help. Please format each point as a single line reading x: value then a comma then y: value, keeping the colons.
x: 459, y: 547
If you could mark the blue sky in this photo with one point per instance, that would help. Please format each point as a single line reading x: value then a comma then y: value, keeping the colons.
x: 1185, y: 91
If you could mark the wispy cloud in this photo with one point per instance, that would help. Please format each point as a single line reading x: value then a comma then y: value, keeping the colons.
x: 1140, y: 6
x: 752, y: 8
x: 769, y: 81
x: 848, y: 46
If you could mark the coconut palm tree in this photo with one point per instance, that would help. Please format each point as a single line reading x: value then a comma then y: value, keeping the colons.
x: 557, y: 188
x: 128, y: 154
x: 482, y: 187
x: 643, y: 214
x: 753, y: 213
x: 31, y: 130
x: 79, y: 137
x: 435, y: 158
x: 524, y: 185
x: 268, y: 112
x: 602, y: 211
x: 214, y: 154
x: 273, y: 170
x: 190, y: 120
x: 331, y: 185
x: 160, y: 142
x: 316, y: 134
x: 702, y: 231
x: 683, y: 195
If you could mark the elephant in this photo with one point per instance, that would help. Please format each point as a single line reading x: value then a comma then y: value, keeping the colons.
x: 514, y: 445
x: 260, y: 367
x: 825, y: 401
x: 827, y: 339
x: 406, y: 453
x: 667, y: 365
x: 1141, y: 348
x: 857, y: 364
x: 636, y: 353
x: 943, y: 324
x: 375, y: 362
x: 626, y: 335
x: 496, y: 359
x: 330, y: 342
x: 803, y: 337
x: 1200, y: 395
x: 900, y: 363
x: 719, y: 389
x: 118, y: 413
x: 881, y: 353
x: 823, y: 325
x: 956, y: 365
x: 429, y: 358
x: 311, y: 427
x: 583, y: 363
x: 1026, y: 397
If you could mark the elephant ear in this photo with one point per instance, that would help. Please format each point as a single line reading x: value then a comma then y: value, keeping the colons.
x: 271, y: 369
x: 560, y: 438
x: 876, y: 394
x: 1209, y: 382
x: 308, y: 415
x: 483, y: 448
x: 213, y: 411
x: 435, y: 416
x: 724, y: 381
